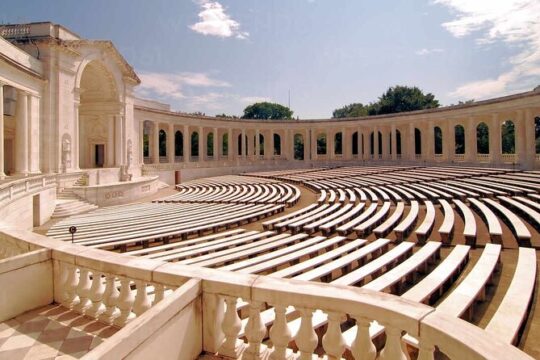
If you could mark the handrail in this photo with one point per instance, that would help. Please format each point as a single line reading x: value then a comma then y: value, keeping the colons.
x: 221, y: 325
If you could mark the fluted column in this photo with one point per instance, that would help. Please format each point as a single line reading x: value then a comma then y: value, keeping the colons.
x: 2, y: 170
x: 170, y: 143
x: 21, y: 139
x: 393, y: 142
x: 520, y: 138
x: 269, y: 145
x: 331, y: 145
x: 186, y: 145
x: 314, y: 144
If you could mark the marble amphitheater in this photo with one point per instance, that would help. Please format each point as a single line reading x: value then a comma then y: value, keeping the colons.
x: 402, y: 236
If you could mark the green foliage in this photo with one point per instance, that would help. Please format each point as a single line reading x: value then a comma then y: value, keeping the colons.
x: 403, y: 98
x: 178, y: 144
x: 266, y: 110
x: 162, y: 143
x: 459, y: 132
x: 508, y: 138
x: 482, y: 138
x: 321, y: 144
x: 338, y: 143
x: 298, y: 147
x: 227, y: 116
x: 396, y: 99
x: 351, y: 110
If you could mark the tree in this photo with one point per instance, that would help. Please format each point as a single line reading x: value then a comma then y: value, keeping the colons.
x: 266, y: 110
x: 396, y: 99
x: 351, y: 110
x: 403, y: 98
x: 226, y: 116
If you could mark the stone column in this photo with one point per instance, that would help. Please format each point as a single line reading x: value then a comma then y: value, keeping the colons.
x: 202, y: 144
x: 314, y: 144
x: 330, y: 145
x: 530, y: 141
x: 306, y: 145
x: 470, y: 140
x: 75, y: 145
x: 216, y: 144
x: 117, y: 140
x: 521, y: 138
x: 141, y: 142
x: 385, y: 144
x: 375, y: 143
x: 346, y: 144
x: 186, y: 145
x: 170, y: 144
x: 33, y: 123
x: 2, y: 170
x: 21, y: 137
x: 428, y: 148
x: 257, y: 144
x: 411, y: 146
x: 449, y: 141
x: 495, y: 146
x: 244, y: 145
x: 394, y: 142
x: 269, y: 145
x: 365, y: 144
x: 155, y: 144
x: 230, y: 145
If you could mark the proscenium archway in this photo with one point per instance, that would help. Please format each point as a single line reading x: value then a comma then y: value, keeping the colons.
x: 99, y: 118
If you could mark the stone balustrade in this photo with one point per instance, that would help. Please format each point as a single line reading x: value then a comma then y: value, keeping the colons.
x: 120, y: 290
x: 21, y: 187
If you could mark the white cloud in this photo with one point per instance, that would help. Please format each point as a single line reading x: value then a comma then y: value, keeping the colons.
x: 167, y: 85
x: 425, y: 51
x: 215, y: 22
x: 514, y: 22
x: 190, y: 92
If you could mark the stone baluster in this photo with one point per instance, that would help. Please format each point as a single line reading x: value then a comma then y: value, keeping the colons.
x: 231, y: 326
x: 306, y: 338
x: 362, y: 347
x: 84, y: 291
x: 125, y: 303
x: 159, y: 293
x: 71, y: 286
x: 425, y: 351
x: 280, y: 333
x: 393, y: 349
x: 96, y: 295
x: 255, y: 331
x: 142, y: 302
x: 333, y: 341
x: 110, y: 299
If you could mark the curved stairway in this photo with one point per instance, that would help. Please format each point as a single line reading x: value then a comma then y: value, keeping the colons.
x: 67, y: 204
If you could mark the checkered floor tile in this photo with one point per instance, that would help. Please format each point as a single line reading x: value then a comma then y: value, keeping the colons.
x: 50, y: 332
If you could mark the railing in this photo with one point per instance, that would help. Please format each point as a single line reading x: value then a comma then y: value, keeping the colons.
x: 120, y: 290
x: 93, y: 292
x: 398, y: 156
x: 178, y: 158
x: 21, y: 187
x: 438, y: 157
x: 509, y: 158
x: 163, y: 159
x: 418, y: 156
x: 537, y: 157
x: 483, y: 158
x: 459, y: 157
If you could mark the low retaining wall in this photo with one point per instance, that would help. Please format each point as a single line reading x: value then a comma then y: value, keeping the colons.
x: 118, y: 193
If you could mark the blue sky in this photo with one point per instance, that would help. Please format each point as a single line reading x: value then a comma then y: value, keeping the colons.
x: 220, y: 56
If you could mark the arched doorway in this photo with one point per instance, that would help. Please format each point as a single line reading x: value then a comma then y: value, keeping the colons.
x: 100, y: 123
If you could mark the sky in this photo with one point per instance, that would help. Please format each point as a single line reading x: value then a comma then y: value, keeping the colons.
x: 220, y: 56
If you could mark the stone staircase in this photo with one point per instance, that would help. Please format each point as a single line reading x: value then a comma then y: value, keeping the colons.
x: 67, y: 204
